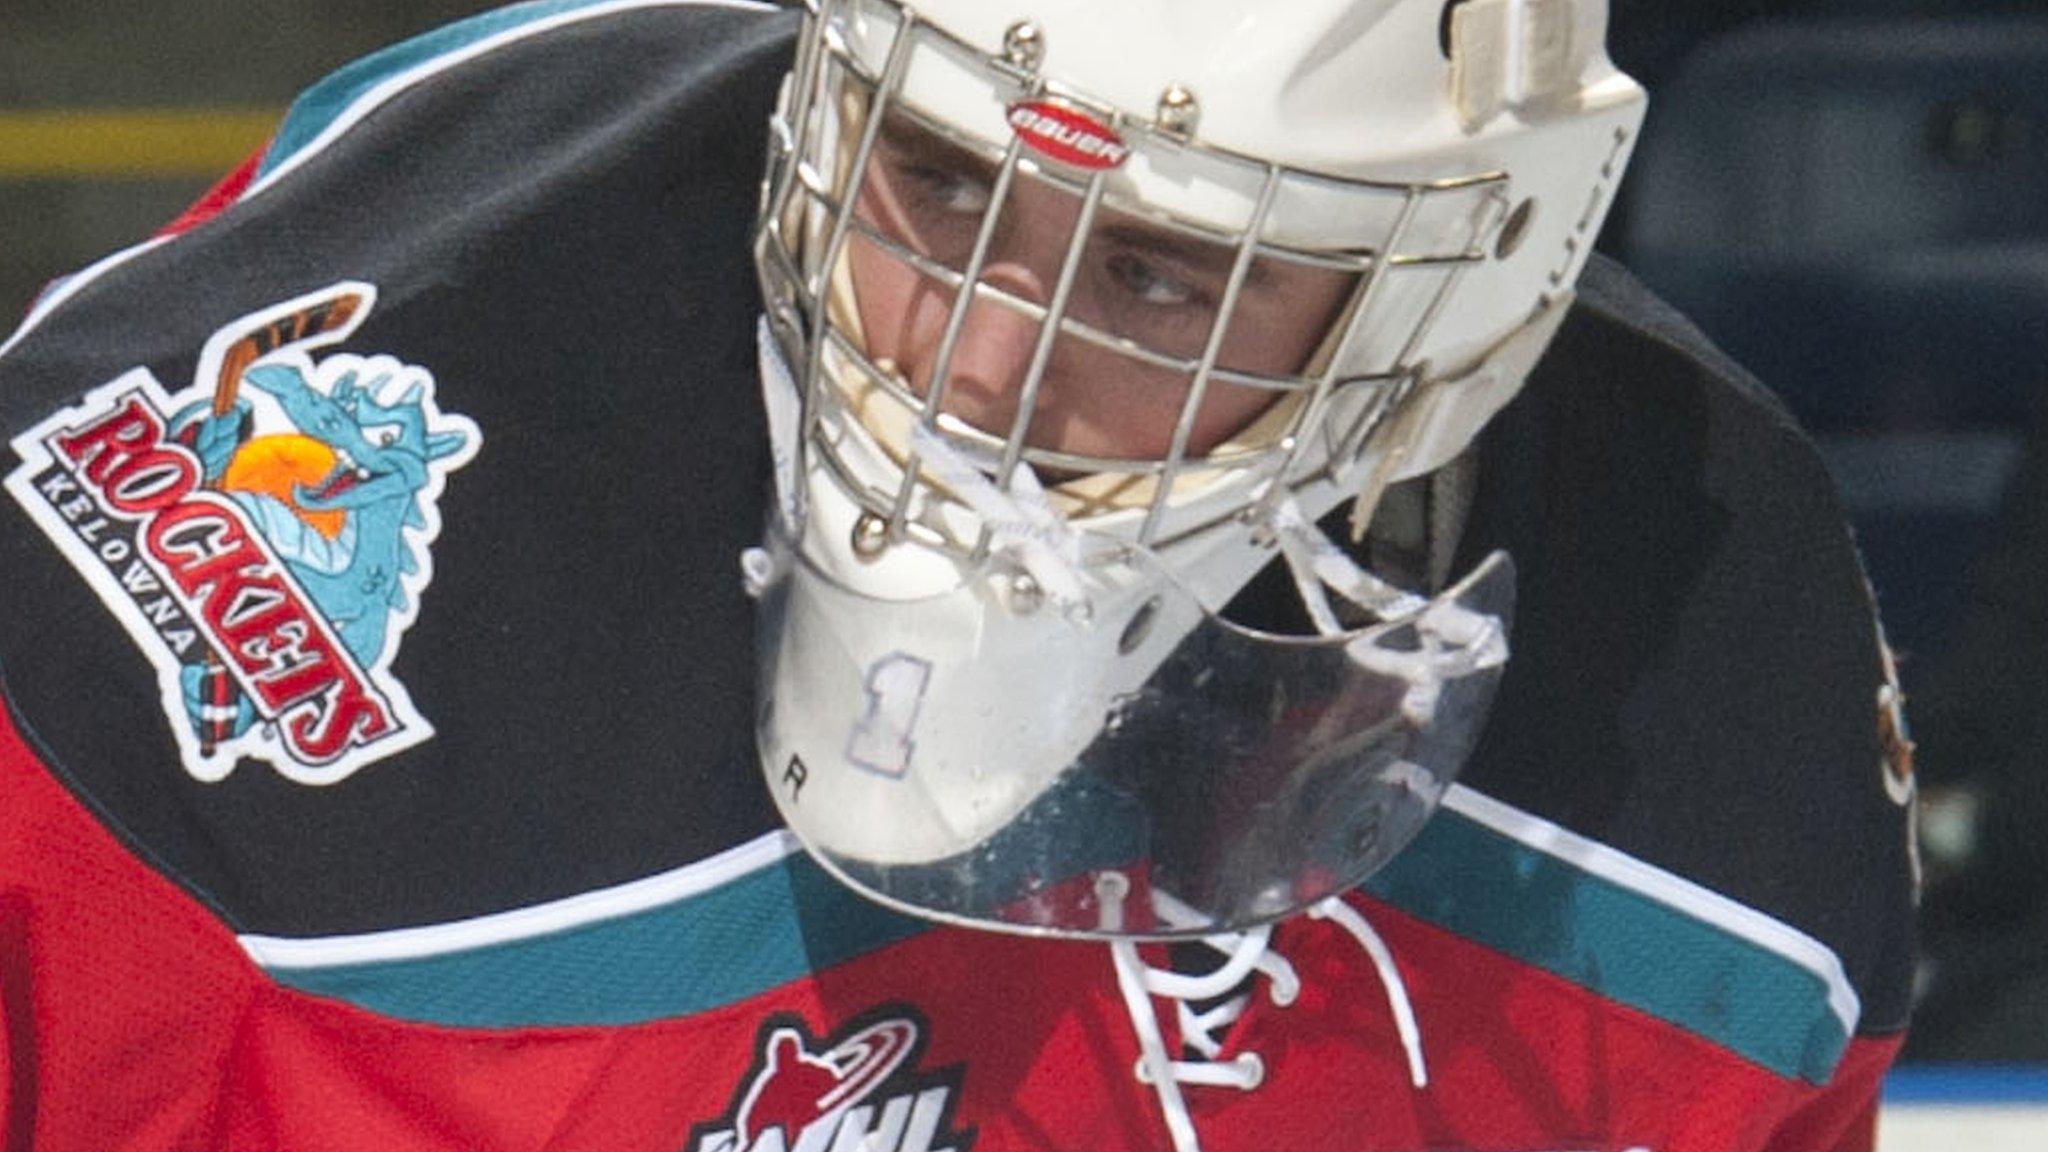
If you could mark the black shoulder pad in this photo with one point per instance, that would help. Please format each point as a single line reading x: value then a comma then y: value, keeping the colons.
x: 1697, y: 663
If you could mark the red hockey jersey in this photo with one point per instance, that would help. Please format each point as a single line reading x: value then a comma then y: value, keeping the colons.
x: 383, y: 779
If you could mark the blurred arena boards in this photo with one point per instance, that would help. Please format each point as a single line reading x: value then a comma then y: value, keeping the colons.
x: 1965, y: 1109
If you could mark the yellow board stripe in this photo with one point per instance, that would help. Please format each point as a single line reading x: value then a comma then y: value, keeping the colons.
x: 161, y: 143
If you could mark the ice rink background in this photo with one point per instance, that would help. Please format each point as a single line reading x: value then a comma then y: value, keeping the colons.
x: 1965, y: 1110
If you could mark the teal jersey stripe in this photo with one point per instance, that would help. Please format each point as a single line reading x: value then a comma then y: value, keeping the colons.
x: 1479, y: 884
x: 748, y: 936
x: 788, y: 920
x: 324, y: 102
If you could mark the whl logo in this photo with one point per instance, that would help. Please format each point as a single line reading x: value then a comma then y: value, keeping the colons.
x: 857, y: 1089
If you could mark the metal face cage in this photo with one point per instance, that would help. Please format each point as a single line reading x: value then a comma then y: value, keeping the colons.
x: 1353, y: 273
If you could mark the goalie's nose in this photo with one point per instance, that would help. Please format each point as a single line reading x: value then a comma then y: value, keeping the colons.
x: 986, y: 374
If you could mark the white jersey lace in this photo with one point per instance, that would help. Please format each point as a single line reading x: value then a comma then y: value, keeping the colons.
x: 1318, y: 567
x: 1245, y: 953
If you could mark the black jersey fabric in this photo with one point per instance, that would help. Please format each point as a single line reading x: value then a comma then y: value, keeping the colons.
x: 557, y: 229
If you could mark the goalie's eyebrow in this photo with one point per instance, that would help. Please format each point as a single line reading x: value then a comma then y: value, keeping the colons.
x: 907, y: 135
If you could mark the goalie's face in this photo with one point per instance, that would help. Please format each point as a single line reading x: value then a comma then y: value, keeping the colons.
x: 1151, y: 287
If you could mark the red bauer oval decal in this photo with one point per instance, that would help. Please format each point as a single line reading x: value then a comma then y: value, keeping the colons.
x: 1066, y: 135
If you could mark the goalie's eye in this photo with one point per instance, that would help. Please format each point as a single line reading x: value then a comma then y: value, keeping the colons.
x: 946, y: 189
x: 1151, y: 283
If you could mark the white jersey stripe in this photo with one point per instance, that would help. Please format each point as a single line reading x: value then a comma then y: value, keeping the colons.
x: 657, y: 891
x: 1666, y: 888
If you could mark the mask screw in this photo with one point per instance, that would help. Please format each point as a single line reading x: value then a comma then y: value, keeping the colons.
x: 870, y: 536
x: 1179, y: 112
x: 1024, y: 46
x: 1026, y: 597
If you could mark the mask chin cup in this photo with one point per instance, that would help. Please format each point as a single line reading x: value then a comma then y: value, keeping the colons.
x: 1145, y: 769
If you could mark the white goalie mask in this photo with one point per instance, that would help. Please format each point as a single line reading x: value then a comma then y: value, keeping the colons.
x: 1078, y: 317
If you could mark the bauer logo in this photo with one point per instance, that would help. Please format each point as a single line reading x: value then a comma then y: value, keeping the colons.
x: 1068, y: 136
x: 262, y: 535
x: 859, y: 1089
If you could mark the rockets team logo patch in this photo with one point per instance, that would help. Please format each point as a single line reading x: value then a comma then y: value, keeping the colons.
x: 263, y: 535
x: 859, y: 1088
